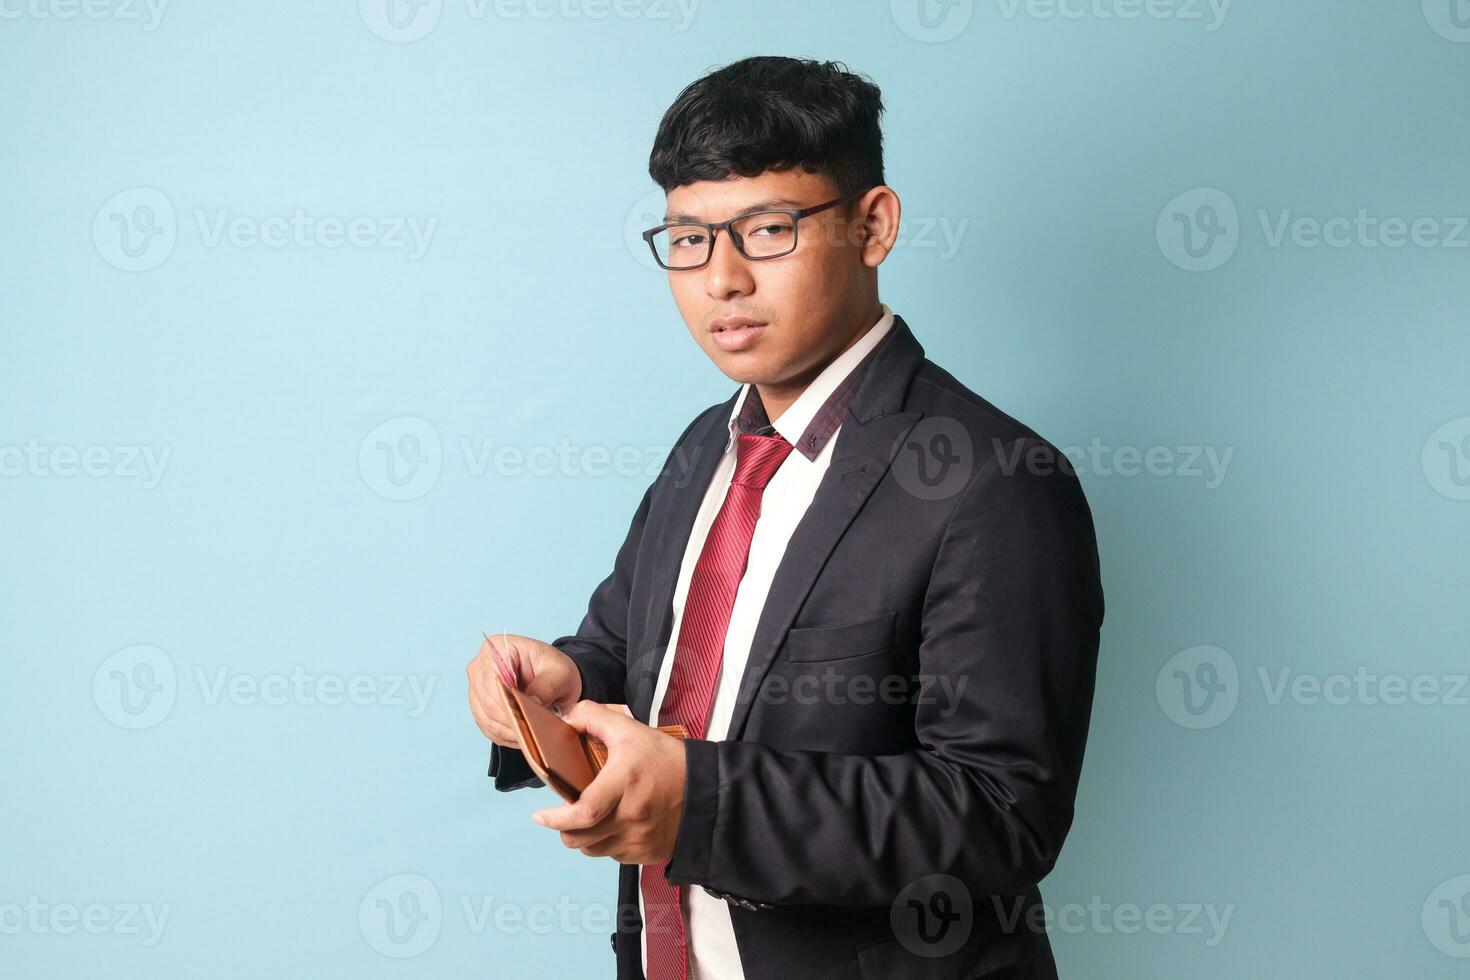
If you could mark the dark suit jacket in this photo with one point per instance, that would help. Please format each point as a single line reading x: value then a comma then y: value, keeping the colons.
x: 916, y: 701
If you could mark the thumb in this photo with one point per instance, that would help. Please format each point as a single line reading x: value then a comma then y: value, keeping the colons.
x: 545, y: 686
x: 598, y: 720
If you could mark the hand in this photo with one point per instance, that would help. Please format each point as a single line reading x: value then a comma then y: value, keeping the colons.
x: 632, y: 810
x: 542, y: 671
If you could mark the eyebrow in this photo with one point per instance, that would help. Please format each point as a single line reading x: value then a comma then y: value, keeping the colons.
x: 770, y: 204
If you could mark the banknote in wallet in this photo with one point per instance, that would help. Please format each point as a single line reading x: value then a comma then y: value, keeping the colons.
x: 564, y: 758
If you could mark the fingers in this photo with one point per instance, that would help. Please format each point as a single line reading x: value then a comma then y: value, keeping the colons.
x: 493, y: 725
x: 486, y: 706
x: 597, y: 802
x: 504, y: 659
x: 599, y: 721
x: 613, y: 845
x: 603, y: 833
x: 543, y: 687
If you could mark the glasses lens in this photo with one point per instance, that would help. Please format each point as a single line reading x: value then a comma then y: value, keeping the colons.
x: 766, y: 234
x: 682, y: 246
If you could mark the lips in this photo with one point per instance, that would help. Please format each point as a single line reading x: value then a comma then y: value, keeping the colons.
x: 736, y: 333
x: 734, y: 323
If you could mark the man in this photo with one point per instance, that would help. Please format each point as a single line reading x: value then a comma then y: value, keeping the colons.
x: 870, y: 597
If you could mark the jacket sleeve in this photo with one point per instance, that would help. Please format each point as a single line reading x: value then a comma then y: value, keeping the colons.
x: 599, y: 648
x: 1010, y: 623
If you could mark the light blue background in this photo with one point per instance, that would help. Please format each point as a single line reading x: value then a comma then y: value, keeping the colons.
x: 1334, y: 542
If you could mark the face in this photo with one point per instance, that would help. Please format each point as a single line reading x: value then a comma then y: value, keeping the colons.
x: 777, y: 322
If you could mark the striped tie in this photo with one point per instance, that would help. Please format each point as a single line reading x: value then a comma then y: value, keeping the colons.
x: 701, y: 648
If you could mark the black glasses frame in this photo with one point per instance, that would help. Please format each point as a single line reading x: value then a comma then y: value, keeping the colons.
x: 715, y: 228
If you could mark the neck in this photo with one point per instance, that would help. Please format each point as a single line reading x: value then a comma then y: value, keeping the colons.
x: 777, y: 398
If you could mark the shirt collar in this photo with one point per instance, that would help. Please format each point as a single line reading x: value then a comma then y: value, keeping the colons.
x: 818, y: 411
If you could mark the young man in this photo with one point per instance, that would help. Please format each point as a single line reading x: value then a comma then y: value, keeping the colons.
x: 870, y: 597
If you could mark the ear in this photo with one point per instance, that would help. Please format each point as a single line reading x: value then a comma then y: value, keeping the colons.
x: 877, y: 214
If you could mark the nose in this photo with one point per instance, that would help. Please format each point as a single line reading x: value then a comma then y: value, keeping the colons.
x: 727, y: 275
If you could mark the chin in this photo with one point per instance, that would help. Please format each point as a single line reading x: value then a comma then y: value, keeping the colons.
x: 732, y: 367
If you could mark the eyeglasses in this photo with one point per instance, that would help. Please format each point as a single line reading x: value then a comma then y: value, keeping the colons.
x: 758, y: 235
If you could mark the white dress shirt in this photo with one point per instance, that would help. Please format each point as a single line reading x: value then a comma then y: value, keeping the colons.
x: 712, y: 952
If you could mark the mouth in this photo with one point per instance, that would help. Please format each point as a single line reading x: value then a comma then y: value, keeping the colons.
x: 735, y: 333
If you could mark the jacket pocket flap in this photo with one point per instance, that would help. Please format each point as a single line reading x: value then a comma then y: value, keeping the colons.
x: 844, y: 641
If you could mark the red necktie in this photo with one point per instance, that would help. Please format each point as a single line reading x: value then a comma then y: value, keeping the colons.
x: 701, y: 648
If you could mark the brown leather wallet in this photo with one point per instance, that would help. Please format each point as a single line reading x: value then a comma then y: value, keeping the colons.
x: 565, y: 759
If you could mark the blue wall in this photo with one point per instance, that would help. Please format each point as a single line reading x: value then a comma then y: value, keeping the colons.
x: 247, y: 246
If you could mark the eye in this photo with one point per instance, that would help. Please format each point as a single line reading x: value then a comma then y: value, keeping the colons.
x: 771, y: 228
x: 688, y: 239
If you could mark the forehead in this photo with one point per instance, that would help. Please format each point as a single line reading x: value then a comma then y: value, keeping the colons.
x: 716, y: 200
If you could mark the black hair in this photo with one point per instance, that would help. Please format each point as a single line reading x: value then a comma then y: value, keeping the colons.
x: 772, y: 113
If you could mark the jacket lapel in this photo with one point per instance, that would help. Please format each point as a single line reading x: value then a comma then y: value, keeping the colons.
x: 691, y: 469
x: 869, y: 440
x: 866, y: 444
